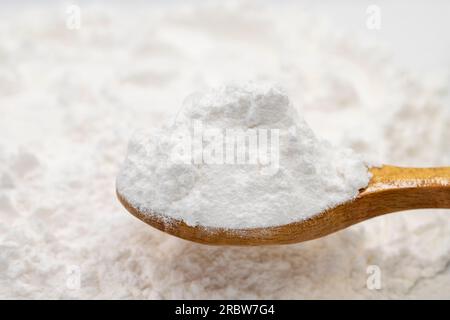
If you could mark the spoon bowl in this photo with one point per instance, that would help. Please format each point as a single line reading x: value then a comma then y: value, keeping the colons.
x: 391, y: 189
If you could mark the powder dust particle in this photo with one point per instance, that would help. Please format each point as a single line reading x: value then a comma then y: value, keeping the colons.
x: 72, y: 98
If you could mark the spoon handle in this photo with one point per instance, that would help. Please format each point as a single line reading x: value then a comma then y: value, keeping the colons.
x: 399, y: 188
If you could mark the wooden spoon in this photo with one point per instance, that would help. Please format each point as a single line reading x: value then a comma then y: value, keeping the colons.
x: 391, y: 189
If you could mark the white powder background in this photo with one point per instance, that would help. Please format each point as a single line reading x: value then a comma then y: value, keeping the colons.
x: 70, y: 99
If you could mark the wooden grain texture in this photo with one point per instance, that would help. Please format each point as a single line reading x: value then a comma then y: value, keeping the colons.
x: 391, y: 189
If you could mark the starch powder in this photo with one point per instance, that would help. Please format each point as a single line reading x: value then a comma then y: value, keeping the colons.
x: 300, y: 176
x: 70, y: 100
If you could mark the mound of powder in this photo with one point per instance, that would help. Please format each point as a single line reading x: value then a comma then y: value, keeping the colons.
x: 238, y: 156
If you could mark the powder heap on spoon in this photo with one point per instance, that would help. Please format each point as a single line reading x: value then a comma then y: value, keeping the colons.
x: 238, y: 156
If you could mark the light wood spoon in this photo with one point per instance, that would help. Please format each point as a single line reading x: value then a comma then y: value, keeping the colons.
x: 390, y: 189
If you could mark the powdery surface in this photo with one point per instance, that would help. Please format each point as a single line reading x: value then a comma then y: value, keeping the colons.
x: 167, y: 173
x: 68, y: 101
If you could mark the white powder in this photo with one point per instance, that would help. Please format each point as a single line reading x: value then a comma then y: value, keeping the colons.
x: 69, y: 100
x: 308, y: 176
